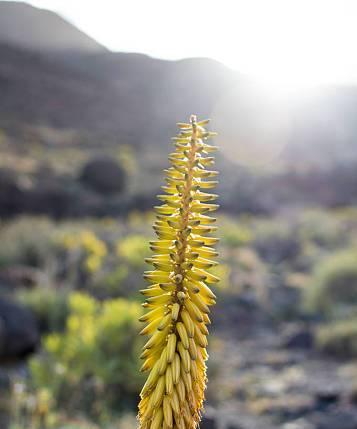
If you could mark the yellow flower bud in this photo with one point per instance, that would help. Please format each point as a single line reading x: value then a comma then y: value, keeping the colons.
x: 179, y: 297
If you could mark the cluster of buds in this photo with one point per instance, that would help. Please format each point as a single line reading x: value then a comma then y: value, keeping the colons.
x: 178, y: 297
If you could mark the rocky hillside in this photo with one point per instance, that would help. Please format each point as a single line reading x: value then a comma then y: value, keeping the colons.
x: 62, y: 91
x: 51, y: 73
x: 34, y: 90
x: 123, y: 95
x: 26, y: 26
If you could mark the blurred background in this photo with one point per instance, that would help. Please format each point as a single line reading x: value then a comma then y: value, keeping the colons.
x: 89, y: 96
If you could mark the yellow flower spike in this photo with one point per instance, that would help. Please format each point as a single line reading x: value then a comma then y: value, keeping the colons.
x: 178, y: 296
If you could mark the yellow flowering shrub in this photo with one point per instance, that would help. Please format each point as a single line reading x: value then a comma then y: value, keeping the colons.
x: 93, y: 249
x: 133, y: 249
x: 96, y: 353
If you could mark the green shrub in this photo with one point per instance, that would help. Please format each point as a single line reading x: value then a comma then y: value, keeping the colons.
x: 133, y: 249
x: 276, y: 242
x: 92, y: 366
x: 234, y: 234
x: 324, y: 229
x: 25, y: 241
x: 112, y: 283
x: 48, y: 304
x: 333, y: 288
x: 339, y: 338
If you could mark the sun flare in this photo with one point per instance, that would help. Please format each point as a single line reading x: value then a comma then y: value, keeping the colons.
x: 287, y: 45
x: 295, y: 45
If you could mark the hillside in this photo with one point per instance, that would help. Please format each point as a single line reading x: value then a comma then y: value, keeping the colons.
x: 41, y: 30
x: 35, y: 90
x: 75, y: 83
x: 73, y: 100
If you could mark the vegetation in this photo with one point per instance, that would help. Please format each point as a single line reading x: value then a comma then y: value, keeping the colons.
x: 178, y: 297
x: 80, y: 154
x: 25, y: 243
x: 247, y: 274
x: 91, y: 367
x: 49, y: 306
x: 333, y: 288
x: 339, y: 338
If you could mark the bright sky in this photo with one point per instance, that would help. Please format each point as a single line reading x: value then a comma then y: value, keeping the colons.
x: 288, y: 43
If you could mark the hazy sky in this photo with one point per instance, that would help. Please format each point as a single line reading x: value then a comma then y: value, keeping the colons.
x: 283, y: 42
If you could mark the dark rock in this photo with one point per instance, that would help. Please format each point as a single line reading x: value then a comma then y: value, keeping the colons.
x: 208, y: 422
x: 242, y: 311
x: 293, y: 408
x: 344, y: 419
x: 233, y: 425
x: 283, y: 302
x: 277, y: 245
x: 103, y: 175
x: 19, y: 334
x: 5, y: 400
x: 4, y: 382
x: 353, y: 396
x: 298, y: 337
x: 53, y: 199
x: 326, y: 398
x: 11, y: 195
x: 20, y: 276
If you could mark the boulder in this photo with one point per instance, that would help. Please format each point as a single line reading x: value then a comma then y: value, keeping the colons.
x: 208, y: 422
x: 298, y: 337
x: 11, y: 194
x: 234, y: 425
x: 20, y: 276
x: 283, y: 302
x: 325, y: 398
x: 103, y: 175
x: 210, y: 419
x: 55, y: 199
x: 5, y: 400
x: 19, y: 335
x: 353, y: 396
x: 344, y: 419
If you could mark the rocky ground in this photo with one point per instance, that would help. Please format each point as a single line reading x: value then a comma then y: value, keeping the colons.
x: 274, y: 378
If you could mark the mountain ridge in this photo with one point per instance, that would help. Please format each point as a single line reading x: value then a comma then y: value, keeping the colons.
x: 29, y: 27
x: 137, y: 99
x: 59, y: 108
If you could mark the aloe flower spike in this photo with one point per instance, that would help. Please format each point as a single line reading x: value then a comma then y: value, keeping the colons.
x: 178, y: 296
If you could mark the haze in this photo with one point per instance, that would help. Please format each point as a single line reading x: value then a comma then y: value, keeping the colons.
x: 285, y: 44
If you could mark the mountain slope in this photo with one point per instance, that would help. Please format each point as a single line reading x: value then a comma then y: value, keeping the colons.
x: 41, y: 30
x: 34, y: 90
x: 120, y: 95
x: 137, y: 99
x: 65, y: 99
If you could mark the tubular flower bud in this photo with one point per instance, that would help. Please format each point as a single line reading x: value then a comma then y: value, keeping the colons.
x: 178, y: 296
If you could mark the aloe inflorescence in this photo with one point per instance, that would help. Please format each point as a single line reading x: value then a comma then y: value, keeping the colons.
x: 178, y: 297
